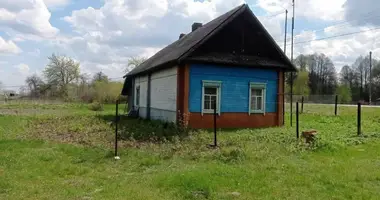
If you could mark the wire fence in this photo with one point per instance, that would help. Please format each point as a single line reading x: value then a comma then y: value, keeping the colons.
x: 320, y: 113
x: 326, y: 114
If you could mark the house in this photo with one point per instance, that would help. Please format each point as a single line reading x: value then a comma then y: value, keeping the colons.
x: 231, y: 64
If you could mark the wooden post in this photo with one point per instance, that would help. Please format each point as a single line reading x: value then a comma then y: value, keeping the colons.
x: 336, y: 105
x: 215, y: 140
x: 359, y: 118
x: 116, y: 127
x: 302, y: 100
x: 297, y: 121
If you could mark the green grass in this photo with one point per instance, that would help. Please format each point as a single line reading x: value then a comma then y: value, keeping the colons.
x: 65, y: 152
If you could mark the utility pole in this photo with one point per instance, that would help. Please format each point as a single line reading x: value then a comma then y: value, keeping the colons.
x: 286, y: 29
x: 283, y: 95
x: 291, y: 73
x: 370, y: 77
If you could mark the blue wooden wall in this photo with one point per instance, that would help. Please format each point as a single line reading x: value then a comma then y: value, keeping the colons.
x: 235, y: 86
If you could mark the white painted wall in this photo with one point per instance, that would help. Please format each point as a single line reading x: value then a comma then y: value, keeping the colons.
x: 141, y: 81
x: 164, y: 95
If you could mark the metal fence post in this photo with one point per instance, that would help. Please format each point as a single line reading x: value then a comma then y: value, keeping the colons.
x: 336, y: 105
x: 302, y: 100
x: 116, y: 127
x: 215, y: 139
x: 359, y: 118
x: 297, y: 121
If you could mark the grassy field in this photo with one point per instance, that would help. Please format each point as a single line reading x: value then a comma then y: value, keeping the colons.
x: 64, y: 151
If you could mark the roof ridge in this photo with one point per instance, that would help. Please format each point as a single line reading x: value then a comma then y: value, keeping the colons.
x: 228, y: 15
x: 232, y: 16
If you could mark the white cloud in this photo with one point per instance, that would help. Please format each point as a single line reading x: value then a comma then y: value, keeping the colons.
x: 109, y: 36
x: 22, y: 68
x: 35, y: 53
x: 362, y: 12
x: 144, y: 23
x: 8, y: 47
x: 30, y: 17
x: 56, y: 3
x: 342, y: 50
x: 330, y: 10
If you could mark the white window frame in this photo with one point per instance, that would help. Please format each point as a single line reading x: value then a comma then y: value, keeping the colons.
x: 139, y: 89
x: 260, y: 86
x: 218, y: 86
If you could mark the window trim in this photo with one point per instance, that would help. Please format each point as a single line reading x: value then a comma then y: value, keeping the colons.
x: 218, y: 85
x: 263, y: 87
x: 139, y: 89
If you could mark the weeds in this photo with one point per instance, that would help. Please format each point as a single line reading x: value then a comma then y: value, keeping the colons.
x: 96, y: 106
x: 65, y: 153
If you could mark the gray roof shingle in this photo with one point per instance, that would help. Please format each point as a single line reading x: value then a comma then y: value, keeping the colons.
x: 179, y: 48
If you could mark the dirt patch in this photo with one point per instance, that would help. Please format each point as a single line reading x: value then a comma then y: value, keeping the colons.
x: 83, y: 130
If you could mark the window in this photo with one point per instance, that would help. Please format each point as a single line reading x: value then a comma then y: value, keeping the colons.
x: 257, y: 97
x: 137, y: 100
x: 211, y: 96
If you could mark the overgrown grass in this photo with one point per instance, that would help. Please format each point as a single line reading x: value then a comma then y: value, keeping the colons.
x: 68, y: 155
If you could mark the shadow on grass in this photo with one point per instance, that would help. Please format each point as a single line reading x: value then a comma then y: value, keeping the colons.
x: 146, y: 130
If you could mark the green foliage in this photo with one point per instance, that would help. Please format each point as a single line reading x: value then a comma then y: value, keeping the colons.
x: 301, y: 84
x: 153, y: 131
x: 66, y: 152
x: 95, y: 106
x: 60, y: 72
x: 344, y: 94
x: 106, y: 92
x: 234, y: 155
x: 100, y: 77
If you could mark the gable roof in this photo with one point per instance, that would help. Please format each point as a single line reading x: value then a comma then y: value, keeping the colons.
x: 180, y: 49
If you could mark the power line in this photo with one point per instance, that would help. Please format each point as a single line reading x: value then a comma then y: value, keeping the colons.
x: 274, y: 15
x: 335, y: 36
x: 337, y: 27
x: 341, y: 24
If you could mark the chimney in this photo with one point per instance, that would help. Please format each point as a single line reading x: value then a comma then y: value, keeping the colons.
x: 195, y: 26
x: 181, y: 35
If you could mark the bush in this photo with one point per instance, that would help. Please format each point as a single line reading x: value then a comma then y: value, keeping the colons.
x: 96, y: 106
x: 232, y: 155
x: 106, y: 92
x: 153, y: 131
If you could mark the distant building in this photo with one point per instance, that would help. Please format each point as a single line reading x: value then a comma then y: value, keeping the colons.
x: 7, y: 94
x: 230, y: 64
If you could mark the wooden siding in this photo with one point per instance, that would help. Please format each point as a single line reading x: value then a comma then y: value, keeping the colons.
x: 235, y: 86
x: 280, y: 98
x: 141, y: 81
x: 183, y: 92
x: 163, y: 95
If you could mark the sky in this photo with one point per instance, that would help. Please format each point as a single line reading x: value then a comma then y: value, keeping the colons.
x: 103, y: 34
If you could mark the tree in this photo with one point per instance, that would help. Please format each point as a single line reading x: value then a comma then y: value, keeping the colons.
x: 100, y: 77
x: 134, y: 62
x: 61, y: 71
x: 322, y: 75
x: 35, y: 85
x: 301, y: 84
x: 344, y: 93
x: 346, y: 76
x: 302, y: 62
x: 107, y: 92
